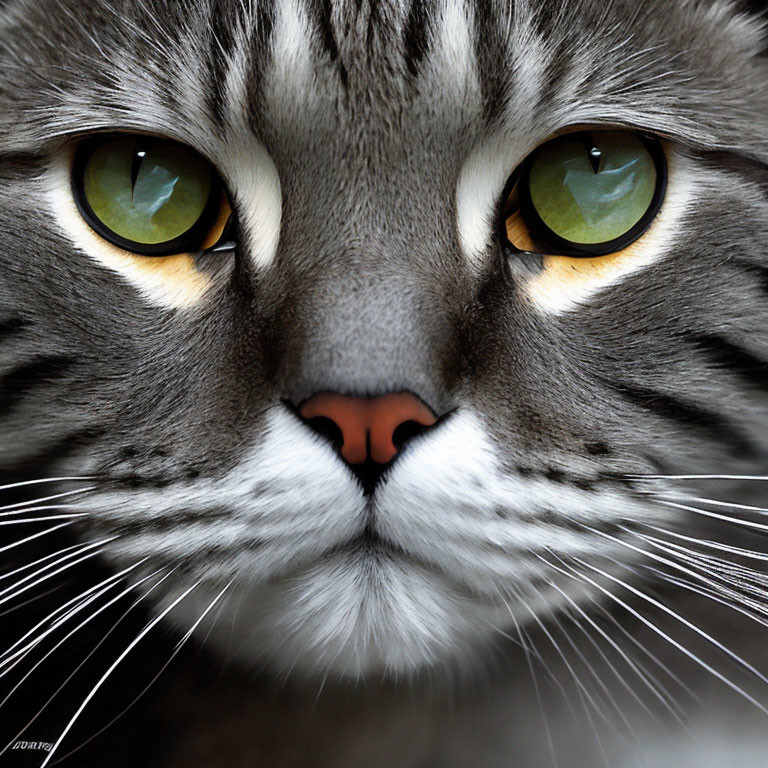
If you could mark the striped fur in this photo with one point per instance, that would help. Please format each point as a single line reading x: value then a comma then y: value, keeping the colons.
x: 366, y: 145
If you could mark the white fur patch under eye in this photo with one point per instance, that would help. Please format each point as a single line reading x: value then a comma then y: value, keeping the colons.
x: 254, y: 186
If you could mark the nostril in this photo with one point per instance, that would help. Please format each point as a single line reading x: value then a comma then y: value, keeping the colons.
x: 407, y: 431
x: 328, y: 429
x: 368, y: 432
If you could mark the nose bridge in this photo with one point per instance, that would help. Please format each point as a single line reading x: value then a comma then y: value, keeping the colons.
x: 368, y: 287
x: 367, y: 334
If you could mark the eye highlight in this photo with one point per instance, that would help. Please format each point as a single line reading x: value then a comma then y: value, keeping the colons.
x: 585, y: 194
x: 150, y: 196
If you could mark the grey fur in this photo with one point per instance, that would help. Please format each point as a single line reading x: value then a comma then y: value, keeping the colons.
x: 372, y: 289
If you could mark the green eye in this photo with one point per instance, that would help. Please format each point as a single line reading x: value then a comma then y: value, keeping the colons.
x: 591, y: 194
x: 150, y: 196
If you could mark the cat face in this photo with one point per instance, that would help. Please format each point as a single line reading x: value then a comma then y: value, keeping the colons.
x: 366, y: 151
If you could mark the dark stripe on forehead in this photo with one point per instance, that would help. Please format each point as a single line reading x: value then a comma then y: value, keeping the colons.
x: 259, y: 56
x: 491, y: 51
x: 224, y: 20
x: 320, y: 14
x: 143, y: 50
x: 417, y: 33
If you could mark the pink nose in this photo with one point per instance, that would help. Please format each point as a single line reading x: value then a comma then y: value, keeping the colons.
x: 368, y: 424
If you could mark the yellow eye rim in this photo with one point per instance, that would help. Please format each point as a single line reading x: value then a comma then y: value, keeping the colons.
x: 207, y: 232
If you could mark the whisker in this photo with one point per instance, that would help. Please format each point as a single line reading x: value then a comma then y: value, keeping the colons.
x: 716, y: 503
x: 49, y: 575
x: 46, y: 519
x: 617, y: 648
x: 745, y: 553
x: 62, y: 495
x: 72, y: 550
x: 84, y: 623
x: 593, y: 673
x: 24, y: 603
x: 717, y: 582
x: 713, y: 515
x: 148, y: 628
x: 10, y: 486
x: 179, y: 646
x: 537, y: 691
x: 657, y: 684
x: 741, y: 575
x: 688, y: 572
x: 33, y: 536
x: 584, y: 694
x: 697, y: 477
x: 71, y: 608
x: 43, y: 508
x: 671, y: 640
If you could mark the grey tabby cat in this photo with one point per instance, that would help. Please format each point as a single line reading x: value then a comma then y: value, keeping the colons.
x: 370, y: 372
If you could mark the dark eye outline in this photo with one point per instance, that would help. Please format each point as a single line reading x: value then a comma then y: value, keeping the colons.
x: 553, y: 244
x: 188, y: 241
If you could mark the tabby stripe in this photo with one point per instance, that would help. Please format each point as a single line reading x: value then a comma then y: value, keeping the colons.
x: 15, y: 384
x: 259, y: 51
x: 174, y: 521
x: 24, y: 158
x: 687, y: 414
x: 12, y: 325
x: 320, y: 13
x: 221, y: 46
x: 35, y: 463
x: 733, y: 358
x: 760, y: 272
x: 417, y: 33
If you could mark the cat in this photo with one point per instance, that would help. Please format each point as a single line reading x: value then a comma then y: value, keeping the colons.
x: 383, y: 383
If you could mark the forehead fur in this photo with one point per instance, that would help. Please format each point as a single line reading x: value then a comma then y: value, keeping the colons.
x: 196, y: 66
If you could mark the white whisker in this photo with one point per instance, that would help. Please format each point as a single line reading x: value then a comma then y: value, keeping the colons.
x: 584, y: 695
x: 40, y: 580
x: 42, y: 499
x: 84, y: 623
x: 45, y: 480
x: 43, y: 508
x: 697, y: 477
x: 68, y: 610
x: 669, y: 639
x: 46, y: 519
x: 715, y: 515
x: 148, y: 628
x: 730, y: 549
x: 33, y: 536
x: 165, y: 666
x: 617, y: 648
